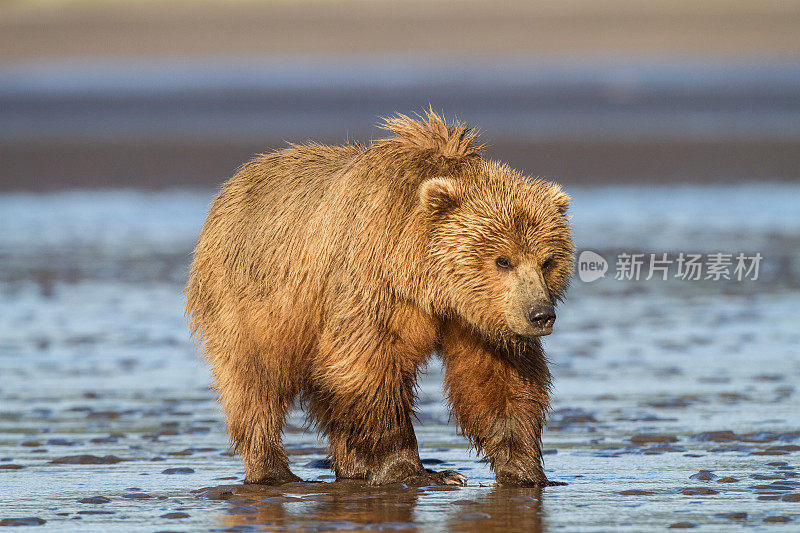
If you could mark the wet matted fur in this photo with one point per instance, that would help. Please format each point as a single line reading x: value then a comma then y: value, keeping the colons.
x: 335, y: 272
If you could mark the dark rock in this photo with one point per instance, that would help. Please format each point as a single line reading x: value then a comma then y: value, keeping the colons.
x: 325, y: 464
x: 698, y: 491
x: 87, y: 460
x: 777, y: 519
x: 62, y: 442
x: 95, y: 500
x: 787, y: 448
x: 717, y: 436
x: 766, y: 476
x: 178, y: 471
x: 704, y: 475
x: 564, y: 418
x: 27, y: 521
x: 672, y: 403
x: 649, y: 438
x: 137, y: 496
x: 104, y: 415
x: 731, y: 516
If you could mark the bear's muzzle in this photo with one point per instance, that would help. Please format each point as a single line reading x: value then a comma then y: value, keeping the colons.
x: 542, y: 316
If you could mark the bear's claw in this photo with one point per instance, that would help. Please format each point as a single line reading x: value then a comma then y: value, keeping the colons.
x: 447, y: 477
x: 432, y: 478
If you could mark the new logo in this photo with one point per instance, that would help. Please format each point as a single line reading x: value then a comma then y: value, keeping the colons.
x: 591, y: 266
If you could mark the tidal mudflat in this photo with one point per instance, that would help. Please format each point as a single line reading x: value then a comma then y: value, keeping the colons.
x: 675, y: 401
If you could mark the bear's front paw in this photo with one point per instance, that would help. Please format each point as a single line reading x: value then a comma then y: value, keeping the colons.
x: 446, y: 477
x: 431, y: 478
x: 412, y: 473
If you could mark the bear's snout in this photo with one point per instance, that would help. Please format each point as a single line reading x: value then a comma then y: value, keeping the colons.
x: 542, y: 316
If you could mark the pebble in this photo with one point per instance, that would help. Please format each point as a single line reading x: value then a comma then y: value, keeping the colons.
x: 698, y: 491
x: 648, y: 438
x: 704, y: 475
x: 777, y: 519
x: 27, y: 521
x: 178, y: 471
x: 87, y: 460
x: 95, y: 500
x: 137, y: 496
x: 325, y: 464
x: 716, y: 436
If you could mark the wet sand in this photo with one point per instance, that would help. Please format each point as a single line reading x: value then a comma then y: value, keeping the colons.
x: 675, y: 402
x: 57, y: 30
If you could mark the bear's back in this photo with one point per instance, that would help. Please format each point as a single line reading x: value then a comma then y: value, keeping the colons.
x: 263, y: 221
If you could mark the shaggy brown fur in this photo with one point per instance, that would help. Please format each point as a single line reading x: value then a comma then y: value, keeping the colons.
x: 333, y: 273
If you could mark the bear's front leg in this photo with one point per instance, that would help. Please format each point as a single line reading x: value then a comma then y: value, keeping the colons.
x: 499, y: 396
x: 363, y: 396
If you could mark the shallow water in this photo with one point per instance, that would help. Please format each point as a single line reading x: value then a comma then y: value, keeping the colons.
x: 675, y: 401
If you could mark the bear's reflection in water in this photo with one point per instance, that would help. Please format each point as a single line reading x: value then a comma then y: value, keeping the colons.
x: 354, y: 505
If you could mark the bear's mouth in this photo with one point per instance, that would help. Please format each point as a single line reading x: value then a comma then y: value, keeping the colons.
x: 542, y: 332
x: 531, y: 333
x: 529, y: 339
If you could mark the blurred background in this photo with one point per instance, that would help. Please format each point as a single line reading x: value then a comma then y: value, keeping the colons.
x: 675, y: 126
x: 141, y: 93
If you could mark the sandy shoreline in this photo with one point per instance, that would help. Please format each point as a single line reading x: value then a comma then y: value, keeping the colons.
x: 35, y: 31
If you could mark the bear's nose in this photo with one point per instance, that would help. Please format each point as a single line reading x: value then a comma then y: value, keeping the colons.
x: 542, y: 316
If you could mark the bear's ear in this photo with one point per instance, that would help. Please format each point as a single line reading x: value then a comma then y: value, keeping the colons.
x: 560, y: 199
x: 439, y: 194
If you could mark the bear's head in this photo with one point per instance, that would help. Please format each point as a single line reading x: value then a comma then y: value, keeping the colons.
x: 498, y: 251
x: 499, y: 248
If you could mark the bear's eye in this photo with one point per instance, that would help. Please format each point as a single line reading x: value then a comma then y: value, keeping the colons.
x: 547, y: 263
x: 504, y: 263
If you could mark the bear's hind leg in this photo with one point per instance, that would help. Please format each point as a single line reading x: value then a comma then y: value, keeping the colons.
x: 256, y: 401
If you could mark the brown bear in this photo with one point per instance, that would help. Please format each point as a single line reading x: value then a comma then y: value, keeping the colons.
x: 333, y: 273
